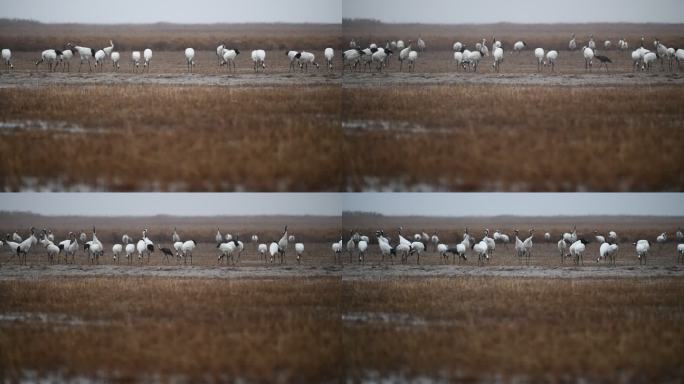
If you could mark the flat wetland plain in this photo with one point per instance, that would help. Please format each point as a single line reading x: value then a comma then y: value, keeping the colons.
x: 325, y: 322
x: 438, y: 129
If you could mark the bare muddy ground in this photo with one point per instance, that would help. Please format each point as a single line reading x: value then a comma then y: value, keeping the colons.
x: 513, y: 79
x: 42, y: 79
x: 347, y: 272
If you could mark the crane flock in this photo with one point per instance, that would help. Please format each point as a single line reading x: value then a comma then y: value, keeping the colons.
x: 376, y: 57
x: 229, y: 248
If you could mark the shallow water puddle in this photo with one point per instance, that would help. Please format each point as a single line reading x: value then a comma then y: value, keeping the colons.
x: 400, y: 319
x: 43, y: 318
x: 44, y: 126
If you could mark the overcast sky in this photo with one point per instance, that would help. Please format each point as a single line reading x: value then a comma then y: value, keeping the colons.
x: 428, y: 204
x: 176, y: 11
x: 519, y: 204
x: 524, y: 11
x: 331, y: 11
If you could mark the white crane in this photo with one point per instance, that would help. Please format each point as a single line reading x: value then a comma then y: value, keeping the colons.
x: 218, y: 237
x: 539, y: 54
x: 229, y: 57
x: 491, y: 243
x: 577, y: 251
x: 412, y: 57
x: 680, y: 253
x: 48, y: 56
x: 434, y: 239
x: 519, y: 46
x: 337, y: 249
x: 599, y: 238
x: 662, y: 238
x: 187, y: 250
x: 351, y: 246
x: 572, y: 45
x: 591, y: 44
x: 190, y: 58
x: 99, y: 59
x: 117, y: 252
x: 498, y: 55
x: 588, y: 54
x: 259, y: 59
x: 351, y: 58
x: 108, y: 50
x: 572, y: 236
x: 642, y: 248
x: 563, y: 249
x: 421, y: 44
x: 481, y: 250
x: 306, y: 58
x: 606, y: 251
x: 299, y: 250
x: 613, y: 237
x: 329, y: 55
x: 362, y: 247
x: 403, y: 54
x: 65, y: 244
x: 135, y: 60
x: 175, y: 237
x: 219, y: 53
x: 385, y: 247
x: 147, y: 56
x: 282, y: 245
x: 130, y: 251
x: 67, y: 55
x: 84, y: 53
x: 648, y: 60
x: 261, y: 250
x: 115, y: 60
x: 7, y: 59
x: 551, y: 58
x: 51, y: 249
x: 145, y: 247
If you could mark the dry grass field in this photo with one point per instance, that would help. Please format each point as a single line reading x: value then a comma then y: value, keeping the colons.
x: 136, y: 138
x: 474, y: 329
x: 514, y: 138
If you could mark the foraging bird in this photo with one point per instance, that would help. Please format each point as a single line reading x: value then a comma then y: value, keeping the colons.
x: 147, y: 55
x: 604, y: 61
x: 588, y: 54
x: 259, y: 59
x: 299, y: 249
x: 539, y: 54
x: 608, y: 250
x: 551, y: 58
x: 7, y: 59
x: 329, y: 54
x: 519, y: 46
x: 190, y: 58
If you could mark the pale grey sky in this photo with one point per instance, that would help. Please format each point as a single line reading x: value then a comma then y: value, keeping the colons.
x: 178, y: 204
x: 426, y: 204
x: 519, y: 204
x: 523, y: 11
x: 176, y: 11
